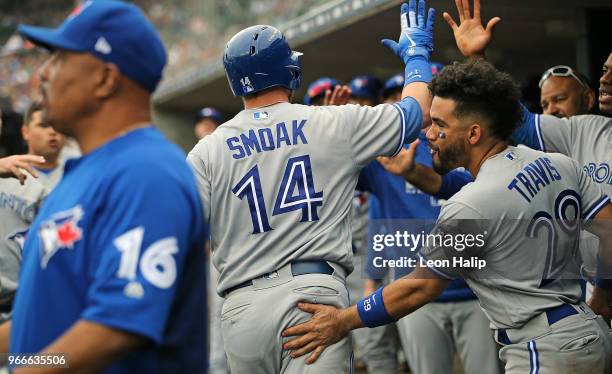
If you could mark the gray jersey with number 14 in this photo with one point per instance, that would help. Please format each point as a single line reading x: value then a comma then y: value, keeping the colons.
x: 277, y: 182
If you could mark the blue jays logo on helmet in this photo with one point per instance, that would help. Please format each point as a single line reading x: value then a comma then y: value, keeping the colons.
x: 61, y: 231
x: 318, y: 88
x: 258, y: 58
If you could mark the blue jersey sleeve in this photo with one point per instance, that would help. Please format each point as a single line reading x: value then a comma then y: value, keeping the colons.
x: 528, y: 133
x: 151, y: 219
x: 375, y: 226
x: 452, y: 182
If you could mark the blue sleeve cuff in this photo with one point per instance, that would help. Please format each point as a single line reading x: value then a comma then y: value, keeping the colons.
x: 411, y: 121
x: 529, y: 132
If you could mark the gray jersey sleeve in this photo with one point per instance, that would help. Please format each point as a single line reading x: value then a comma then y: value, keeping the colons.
x: 593, y: 197
x: 380, y: 130
x: 199, y: 161
x: 458, y: 236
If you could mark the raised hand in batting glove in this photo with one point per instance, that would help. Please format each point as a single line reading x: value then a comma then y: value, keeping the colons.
x: 416, y: 37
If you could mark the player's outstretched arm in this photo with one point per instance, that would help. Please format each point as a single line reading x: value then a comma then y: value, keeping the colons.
x: 89, y: 347
x: 422, y: 177
x: 16, y: 166
x: 471, y: 36
x: 329, y: 325
x: 414, y: 47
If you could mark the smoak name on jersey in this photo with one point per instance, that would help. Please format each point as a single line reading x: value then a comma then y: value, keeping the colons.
x: 267, y: 138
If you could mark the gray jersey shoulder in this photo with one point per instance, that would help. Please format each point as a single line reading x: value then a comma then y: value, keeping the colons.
x: 584, y: 138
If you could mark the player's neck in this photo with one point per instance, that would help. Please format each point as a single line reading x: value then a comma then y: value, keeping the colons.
x: 268, y: 97
x: 110, y: 123
x: 482, y: 154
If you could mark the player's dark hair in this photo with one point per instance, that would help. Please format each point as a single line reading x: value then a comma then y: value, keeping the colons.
x: 33, y: 108
x: 479, y: 89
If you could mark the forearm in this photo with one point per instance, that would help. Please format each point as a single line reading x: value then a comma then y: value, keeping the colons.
x: 89, y: 347
x: 420, y: 92
x: 408, y: 294
x: 424, y: 178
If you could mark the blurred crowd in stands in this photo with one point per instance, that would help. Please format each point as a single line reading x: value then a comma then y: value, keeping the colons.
x: 194, y: 31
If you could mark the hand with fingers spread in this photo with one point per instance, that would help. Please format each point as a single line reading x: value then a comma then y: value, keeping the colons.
x: 416, y: 37
x: 402, y: 164
x: 325, y: 328
x: 471, y: 37
x: 339, y: 96
x: 14, y: 166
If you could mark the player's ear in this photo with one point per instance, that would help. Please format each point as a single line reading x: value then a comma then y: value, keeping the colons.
x: 590, y: 97
x: 108, y: 82
x: 474, y: 133
x: 25, y: 132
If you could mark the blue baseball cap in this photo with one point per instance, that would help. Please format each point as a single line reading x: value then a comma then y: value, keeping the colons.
x: 393, y: 83
x: 113, y: 31
x: 209, y: 112
x: 367, y: 86
x: 318, y: 88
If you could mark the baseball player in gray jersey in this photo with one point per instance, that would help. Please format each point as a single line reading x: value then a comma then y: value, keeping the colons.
x: 20, y: 197
x: 536, y: 316
x: 585, y: 138
x: 277, y: 182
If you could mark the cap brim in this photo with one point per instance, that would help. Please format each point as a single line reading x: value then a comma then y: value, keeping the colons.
x: 47, y: 38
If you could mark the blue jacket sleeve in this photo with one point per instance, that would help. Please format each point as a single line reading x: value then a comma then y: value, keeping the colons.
x: 528, y: 133
x: 452, y: 182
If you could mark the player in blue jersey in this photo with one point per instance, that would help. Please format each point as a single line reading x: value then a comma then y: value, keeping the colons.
x: 113, y: 273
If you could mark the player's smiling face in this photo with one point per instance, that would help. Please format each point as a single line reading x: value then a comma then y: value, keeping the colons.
x: 446, y: 137
x: 605, y: 87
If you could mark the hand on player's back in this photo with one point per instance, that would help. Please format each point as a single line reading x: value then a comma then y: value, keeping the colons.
x: 401, y: 164
x: 339, y: 96
x: 322, y: 330
x: 600, y: 304
x: 471, y: 37
x: 14, y: 166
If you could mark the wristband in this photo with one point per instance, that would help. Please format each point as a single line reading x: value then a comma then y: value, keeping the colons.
x: 372, y: 310
x: 417, y: 69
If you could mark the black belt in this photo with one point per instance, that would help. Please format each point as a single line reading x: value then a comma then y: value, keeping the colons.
x: 552, y: 315
x: 297, y: 268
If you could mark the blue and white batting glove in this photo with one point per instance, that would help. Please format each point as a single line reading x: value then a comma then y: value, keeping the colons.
x: 415, y: 43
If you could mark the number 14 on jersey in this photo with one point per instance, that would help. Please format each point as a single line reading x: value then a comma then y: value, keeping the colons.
x: 297, y: 191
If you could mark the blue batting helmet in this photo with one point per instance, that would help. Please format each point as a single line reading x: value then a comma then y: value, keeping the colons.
x: 318, y: 88
x: 258, y: 58
x: 367, y: 86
